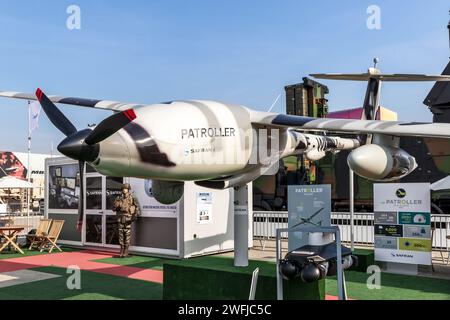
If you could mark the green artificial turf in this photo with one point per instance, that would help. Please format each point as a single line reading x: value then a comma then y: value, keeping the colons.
x: 366, y: 258
x: 393, y: 287
x: 136, y: 261
x: 92, y: 296
x: 222, y: 282
x: 98, y: 286
x: 27, y: 253
x: 209, y: 262
x: 230, y: 282
x: 94, y: 286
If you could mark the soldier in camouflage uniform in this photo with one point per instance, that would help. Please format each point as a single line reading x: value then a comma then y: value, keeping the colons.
x: 127, y: 210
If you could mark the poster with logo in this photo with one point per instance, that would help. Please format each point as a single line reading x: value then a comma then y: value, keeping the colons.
x: 64, y: 189
x: 142, y: 190
x: 308, y: 205
x: 204, y: 207
x: 402, y: 223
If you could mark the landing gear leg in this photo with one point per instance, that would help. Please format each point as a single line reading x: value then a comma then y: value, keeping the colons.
x: 241, y: 226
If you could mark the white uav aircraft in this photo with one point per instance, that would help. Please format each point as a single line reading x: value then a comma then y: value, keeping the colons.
x: 215, y: 145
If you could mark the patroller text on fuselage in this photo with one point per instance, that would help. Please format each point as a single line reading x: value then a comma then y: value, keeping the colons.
x: 195, y: 133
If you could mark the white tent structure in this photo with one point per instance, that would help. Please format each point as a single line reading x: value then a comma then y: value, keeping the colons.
x: 443, y: 184
x: 9, y: 182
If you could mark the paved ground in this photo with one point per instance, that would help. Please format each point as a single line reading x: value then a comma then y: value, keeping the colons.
x: 14, y: 278
x: 84, y: 261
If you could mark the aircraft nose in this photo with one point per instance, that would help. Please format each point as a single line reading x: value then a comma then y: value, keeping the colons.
x: 75, y: 148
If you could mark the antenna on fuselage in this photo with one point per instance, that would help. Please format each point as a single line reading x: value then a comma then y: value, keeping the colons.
x: 376, y: 61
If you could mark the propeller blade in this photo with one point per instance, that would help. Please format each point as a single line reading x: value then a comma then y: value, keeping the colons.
x: 58, y: 119
x: 81, y: 197
x: 109, y: 126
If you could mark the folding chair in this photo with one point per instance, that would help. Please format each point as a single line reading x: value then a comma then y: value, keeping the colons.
x: 49, y: 241
x: 42, y: 230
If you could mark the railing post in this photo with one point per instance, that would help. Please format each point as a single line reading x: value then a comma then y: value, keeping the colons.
x: 352, y: 208
x: 278, y: 257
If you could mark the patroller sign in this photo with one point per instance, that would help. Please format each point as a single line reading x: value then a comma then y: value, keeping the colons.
x: 308, y: 205
x: 402, y: 223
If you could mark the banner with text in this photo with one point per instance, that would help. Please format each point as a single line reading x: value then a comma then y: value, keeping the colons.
x: 402, y: 223
x: 204, y: 207
x: 308, y: 205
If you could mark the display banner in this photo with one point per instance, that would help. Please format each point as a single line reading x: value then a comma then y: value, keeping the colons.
x: 204, y: 207
x: 142, y: 190
x: 402, y: 223
x: 309, y: 205
x: 14, y: 164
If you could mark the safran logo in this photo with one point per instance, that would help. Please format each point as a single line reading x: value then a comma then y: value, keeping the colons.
x: 401, y: 255
x: 400, y: 193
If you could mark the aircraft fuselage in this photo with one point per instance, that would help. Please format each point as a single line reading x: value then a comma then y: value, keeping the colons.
x: 195, y: 140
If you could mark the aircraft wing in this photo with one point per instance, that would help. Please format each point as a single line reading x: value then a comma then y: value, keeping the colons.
x: 382, y: 77
x: 81, y: 102
x: 392, y: 128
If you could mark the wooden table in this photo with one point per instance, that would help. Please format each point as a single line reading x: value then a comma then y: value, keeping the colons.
x: 10, y: 234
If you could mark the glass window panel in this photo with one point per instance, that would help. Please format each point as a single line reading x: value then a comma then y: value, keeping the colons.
x: 112, y: 231
x: 94, y: 193
x: 94, y: 228
x: 63, y: 187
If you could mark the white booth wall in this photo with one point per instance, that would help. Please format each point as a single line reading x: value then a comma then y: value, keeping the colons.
x: 218, y: 234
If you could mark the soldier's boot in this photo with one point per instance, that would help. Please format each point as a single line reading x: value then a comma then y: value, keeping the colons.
x: 125, y: 252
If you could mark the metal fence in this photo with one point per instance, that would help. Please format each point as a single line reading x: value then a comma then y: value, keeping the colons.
x: 363, y: 227
x: 265, y: 224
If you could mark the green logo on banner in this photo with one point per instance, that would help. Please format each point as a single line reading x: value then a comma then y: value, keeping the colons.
x: 400, y: 193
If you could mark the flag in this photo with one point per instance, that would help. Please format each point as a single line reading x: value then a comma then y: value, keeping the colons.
x: 35, y: 111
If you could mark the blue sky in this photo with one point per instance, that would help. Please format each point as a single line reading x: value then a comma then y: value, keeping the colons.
x: 236, y: 51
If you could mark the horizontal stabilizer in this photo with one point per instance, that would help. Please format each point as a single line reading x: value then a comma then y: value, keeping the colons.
x: 382, y: 77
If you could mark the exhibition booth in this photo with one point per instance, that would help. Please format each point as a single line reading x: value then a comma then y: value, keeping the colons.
x: 201, y: 223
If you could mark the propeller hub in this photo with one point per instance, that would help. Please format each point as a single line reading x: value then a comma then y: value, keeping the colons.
x: 75, y: 147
